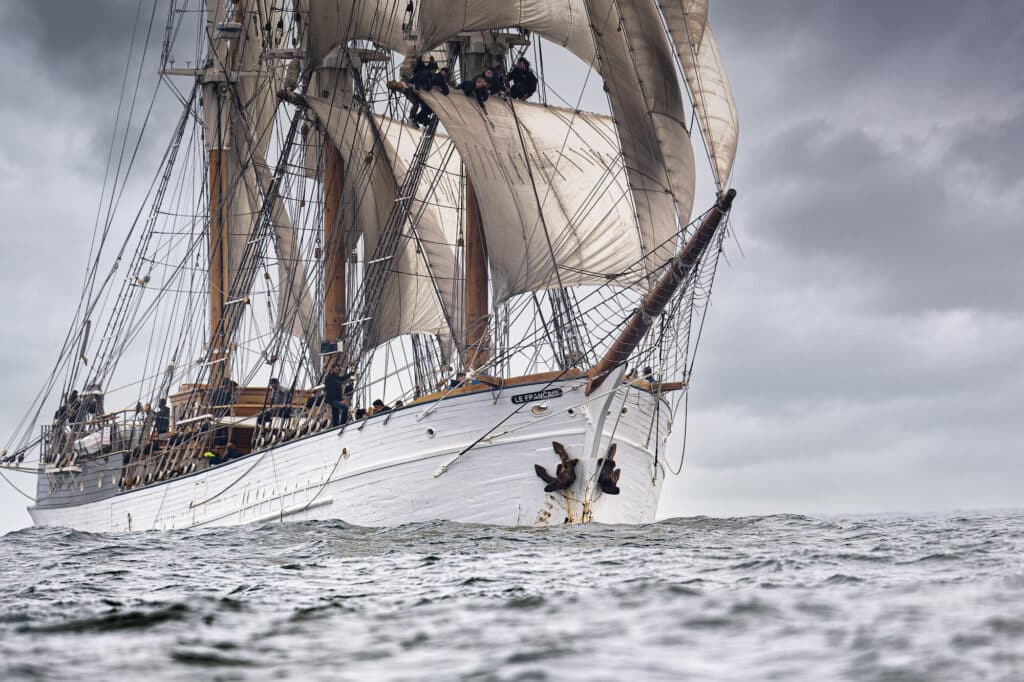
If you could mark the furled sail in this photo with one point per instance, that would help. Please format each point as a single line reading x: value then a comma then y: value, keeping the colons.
x: 584, y: 222
x: 712, y: 96
x: 561, y: 21
x: 637, y: 65
x: 240, y: 122
x: 412, y: 301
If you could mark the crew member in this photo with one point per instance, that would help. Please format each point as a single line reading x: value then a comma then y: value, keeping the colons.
x: 162, y: 421
x: 334, y: 394
x: 523, y: 79
x: 476, y: 88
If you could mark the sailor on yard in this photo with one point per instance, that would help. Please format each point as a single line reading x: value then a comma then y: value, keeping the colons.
x: 523, y: 79
x: 476, y: 88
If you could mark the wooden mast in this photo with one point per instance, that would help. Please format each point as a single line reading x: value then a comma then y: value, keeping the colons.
x: 220, y: 209
x: 476, y: 304
x: 218, y: 263
x: 654, y: 304
x: 477, y: 342
x: 335, y: 253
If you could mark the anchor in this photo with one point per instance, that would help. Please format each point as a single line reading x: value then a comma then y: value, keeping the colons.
x: 608, y: 478
x: 565, y: 474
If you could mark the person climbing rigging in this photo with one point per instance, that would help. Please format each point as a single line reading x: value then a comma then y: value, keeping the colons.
x: 523, y: 79
x: 423, y: 73
x: 421, y: 113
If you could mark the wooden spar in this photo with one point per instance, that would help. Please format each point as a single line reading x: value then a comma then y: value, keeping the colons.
x: 655, y: 302
x: 477, y: 342
x: 476, y: 309
x: 218, y: 257
x: 335, y: 253
x: 219, y: 252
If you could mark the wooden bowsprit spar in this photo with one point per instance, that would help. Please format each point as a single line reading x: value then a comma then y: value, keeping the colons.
x: 654, y: 303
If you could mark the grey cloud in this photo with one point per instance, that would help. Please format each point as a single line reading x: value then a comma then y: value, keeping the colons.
x: 80, y: 45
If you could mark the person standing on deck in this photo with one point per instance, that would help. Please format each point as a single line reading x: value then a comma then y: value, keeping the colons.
x: 162, y: 421
x: 334, y: 394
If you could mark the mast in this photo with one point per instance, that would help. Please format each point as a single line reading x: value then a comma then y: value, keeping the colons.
x: 476, y: 308
x: 218, y: 262
x: 335, y: 253
x: 477, y: 318
x: 223, y: 55
x: 655, y: 302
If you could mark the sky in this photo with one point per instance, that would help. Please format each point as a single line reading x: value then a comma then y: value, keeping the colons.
x: 863, y: 351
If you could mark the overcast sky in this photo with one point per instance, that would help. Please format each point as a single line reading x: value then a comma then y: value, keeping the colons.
x: 864, y: 347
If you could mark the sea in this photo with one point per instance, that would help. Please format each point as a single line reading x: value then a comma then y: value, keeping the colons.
x: 938, y: 597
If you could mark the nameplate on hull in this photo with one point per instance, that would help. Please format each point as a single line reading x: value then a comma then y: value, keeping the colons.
x: 536, y: 395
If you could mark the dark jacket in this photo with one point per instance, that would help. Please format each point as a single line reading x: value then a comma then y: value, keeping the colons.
x: 471, y: 90
x: 334, y: 386
x: 162, y: 423
x: 438, y: 81
x: 423, y: 73
x: 495, y: 83
x: 524, y: 82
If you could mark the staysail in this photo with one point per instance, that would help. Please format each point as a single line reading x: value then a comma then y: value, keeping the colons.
x: 712, y: 97
x: 636, y: 63
x: 685, y: 18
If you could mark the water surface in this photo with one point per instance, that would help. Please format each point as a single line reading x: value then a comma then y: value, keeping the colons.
x: 759, y: 598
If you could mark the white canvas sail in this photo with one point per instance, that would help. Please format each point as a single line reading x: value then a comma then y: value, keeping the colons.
x: 563, y: 22
x: 424, y: 273
x: 712, y: 96
x: 580, y: 216
x: 240, y: 123
x: 637, y: 65
x: 685, y: 18
x: 330, y: 23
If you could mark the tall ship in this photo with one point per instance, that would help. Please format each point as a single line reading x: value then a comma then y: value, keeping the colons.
x: 386, y: 272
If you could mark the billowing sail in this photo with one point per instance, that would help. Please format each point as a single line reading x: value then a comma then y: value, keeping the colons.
x: 686, y: 19
x: 412, y: 301
x: 712, y: 96
x: 561, y: 21
x: 424, y: 277
x: 330, y: 23
x: 557, y: 194
x: 638, y: 66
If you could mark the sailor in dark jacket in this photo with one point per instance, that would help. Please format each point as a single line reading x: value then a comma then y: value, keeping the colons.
x: 440, y: 80
x: 523, y: 79
x: 495, y: 80
x: 421, y: 113
x: 162, y: 422
x: 423, y: 73
x: 478, y: 88
x: 334, y: 394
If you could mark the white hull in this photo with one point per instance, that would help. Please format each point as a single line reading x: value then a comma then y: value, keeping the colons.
x: 388, y: 470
